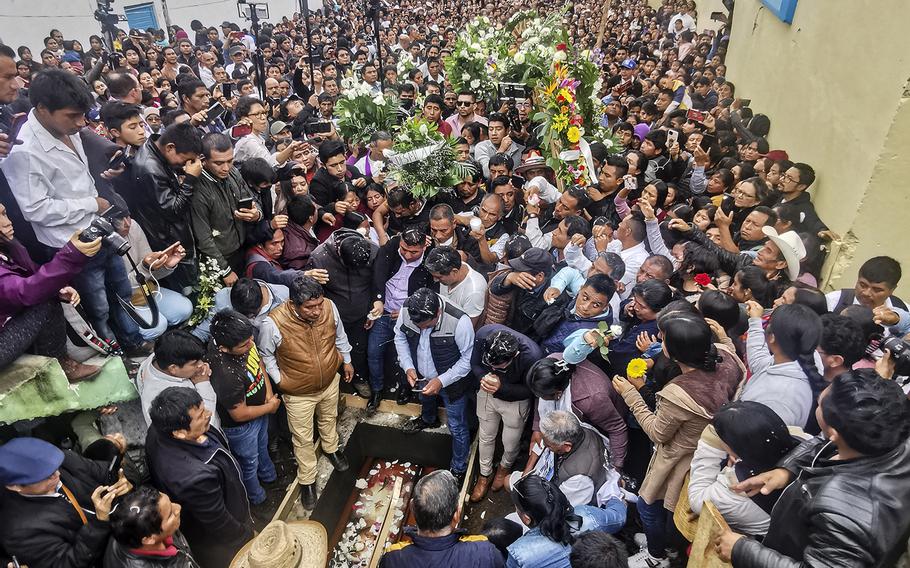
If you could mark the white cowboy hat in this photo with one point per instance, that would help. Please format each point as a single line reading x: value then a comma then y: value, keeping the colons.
x: 791, y: 246
x: 295, y: 544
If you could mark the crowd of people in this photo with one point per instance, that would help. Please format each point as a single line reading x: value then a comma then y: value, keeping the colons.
x: 658, y: 337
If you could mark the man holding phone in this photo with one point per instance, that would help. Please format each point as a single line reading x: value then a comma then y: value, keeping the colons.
x: 225, y: 213
x: 197, y: 102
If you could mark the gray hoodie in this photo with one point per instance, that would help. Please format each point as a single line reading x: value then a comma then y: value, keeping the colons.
x: 784, y: 388
x: 150, y: 381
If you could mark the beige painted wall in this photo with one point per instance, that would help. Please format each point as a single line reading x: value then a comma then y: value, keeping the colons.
x: 832, y: 83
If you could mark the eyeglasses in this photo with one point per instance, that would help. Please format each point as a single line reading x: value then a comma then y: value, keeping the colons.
x: 259, y: 114
x: 464, y: 103
x: 787, y: 177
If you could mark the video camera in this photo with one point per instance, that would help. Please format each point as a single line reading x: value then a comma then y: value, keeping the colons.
x: 900, y: 354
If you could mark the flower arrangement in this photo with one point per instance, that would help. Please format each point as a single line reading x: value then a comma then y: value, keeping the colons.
x: 209, y: 283
x: 562, y: 123
x: 475, y: 59
x: 423, y: 160
x: 535, y: 39
x: 405, y: 63
x: 636, y: 369
x: 362, y: 112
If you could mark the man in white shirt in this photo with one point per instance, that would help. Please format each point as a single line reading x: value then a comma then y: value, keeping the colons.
x: 628, y: 243
x: 206, y: 64
x: 458, y: 283
x: 48, y: 175
x: 372, y: 163
x: 238, y: 59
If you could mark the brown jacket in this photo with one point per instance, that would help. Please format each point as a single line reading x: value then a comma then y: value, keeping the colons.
x: 675, y: 428
x: 307, y: 356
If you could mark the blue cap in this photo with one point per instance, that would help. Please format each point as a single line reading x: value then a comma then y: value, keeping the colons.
x: 24, y: 461
x: 629, y: 63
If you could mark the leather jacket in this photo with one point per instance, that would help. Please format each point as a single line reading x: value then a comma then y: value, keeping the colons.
x: 835, y: 513
x: 159, y: 201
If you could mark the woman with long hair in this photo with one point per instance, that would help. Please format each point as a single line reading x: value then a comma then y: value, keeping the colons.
x: 554, y: 523
x: 782, y: 360
x: 748, y: 439
x: 684, y: 408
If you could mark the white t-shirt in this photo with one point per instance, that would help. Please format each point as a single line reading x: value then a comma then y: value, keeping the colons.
x: 470, y: 294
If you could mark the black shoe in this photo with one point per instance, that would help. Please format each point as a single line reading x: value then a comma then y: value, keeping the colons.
x: 262, y: 513
x: 142, y: 350
x: 404, y: 395
x: 375, y: 399
x: 362, y: 388
x: 273, y: 446
x: 338, y: 461
x: 308, y: 496
x: 417, y: 424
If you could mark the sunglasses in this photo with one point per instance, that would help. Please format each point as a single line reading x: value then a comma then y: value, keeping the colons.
x: 464, y: 103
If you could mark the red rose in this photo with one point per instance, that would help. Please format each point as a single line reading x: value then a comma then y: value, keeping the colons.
x: 561, y: 46
x: 702, y: 279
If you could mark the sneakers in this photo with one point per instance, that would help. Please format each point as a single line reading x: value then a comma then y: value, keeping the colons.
x: 644, y: 560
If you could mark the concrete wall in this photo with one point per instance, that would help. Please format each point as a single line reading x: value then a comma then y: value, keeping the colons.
x: 27, y: 22
x: 833, y: 83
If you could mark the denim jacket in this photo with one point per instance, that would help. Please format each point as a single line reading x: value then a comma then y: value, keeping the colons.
x: 537, y: 551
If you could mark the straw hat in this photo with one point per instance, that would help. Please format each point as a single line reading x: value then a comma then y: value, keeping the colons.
x: 296, y: 544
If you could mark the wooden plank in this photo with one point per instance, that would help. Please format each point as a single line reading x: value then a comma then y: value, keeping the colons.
x: 710, y: 525
x: 466, y: 486
x: 390, y: 406
x: 602, y: 25
x: 379, y: 549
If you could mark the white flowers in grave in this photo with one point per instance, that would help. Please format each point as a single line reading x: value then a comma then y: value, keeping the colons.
x: 519, y: 57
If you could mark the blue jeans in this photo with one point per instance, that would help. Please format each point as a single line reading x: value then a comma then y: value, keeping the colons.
x: 456, y: 412
x: 382, y: 337
x: 250, y: 445
x: 173, y: 309
x: 102, y: 279
x: 654, y: 520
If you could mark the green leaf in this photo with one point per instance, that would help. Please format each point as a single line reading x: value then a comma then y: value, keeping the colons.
x: 603, y: 326
x: 605, y: 352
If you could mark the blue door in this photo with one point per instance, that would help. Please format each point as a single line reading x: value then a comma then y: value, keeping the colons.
x: 141, y: 16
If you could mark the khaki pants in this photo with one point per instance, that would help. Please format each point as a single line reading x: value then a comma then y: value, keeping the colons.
x: 490, y: 412
x: 301, y: 409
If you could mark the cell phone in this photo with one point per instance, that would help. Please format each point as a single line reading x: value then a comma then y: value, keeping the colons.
x: 171, y: 248
x: 599, y: 221
x: 706, y: 142
x: 113, y: 470
x: 672, y: 136
x: 630, y: 182
x: 226, y: 90
x: 213, y: 112
x: 696, y: 115
x: 623, y: 87
x: 745, y: 102
x: 718, y: 16
x: 321, y: 127
x: 15, y: 125
x: 241, y: 130
x: 245, y: 203
x: 117, y: 161
x: 726, y: 102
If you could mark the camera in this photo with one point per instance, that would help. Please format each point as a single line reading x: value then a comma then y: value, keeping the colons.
x: 900, y: 354
x: 103, y: 228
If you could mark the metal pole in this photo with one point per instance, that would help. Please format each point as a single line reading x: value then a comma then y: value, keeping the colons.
x: 167, y: 15
x: 305, y: 14
x: 257, y: 53
x: 376, y: 10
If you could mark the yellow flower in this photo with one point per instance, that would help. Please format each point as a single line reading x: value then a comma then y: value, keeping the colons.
x: 573, y: 134
x: 636, y: 369
x: 560, y: 122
